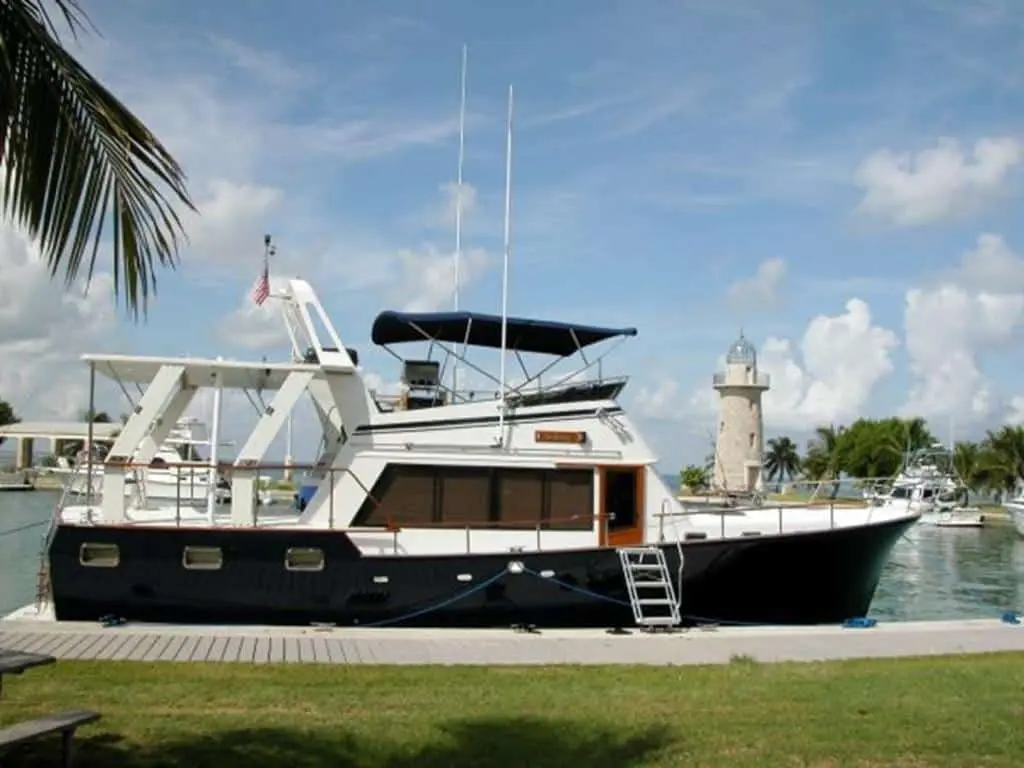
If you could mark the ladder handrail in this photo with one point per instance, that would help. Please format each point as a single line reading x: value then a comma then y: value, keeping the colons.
x: 662, y: 581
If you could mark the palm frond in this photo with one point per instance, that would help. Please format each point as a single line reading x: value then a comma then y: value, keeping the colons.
x: 75, y: 158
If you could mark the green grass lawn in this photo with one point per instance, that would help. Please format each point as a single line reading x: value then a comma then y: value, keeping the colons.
x: 962, y: 711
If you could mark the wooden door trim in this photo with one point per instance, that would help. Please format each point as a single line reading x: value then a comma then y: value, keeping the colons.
x: 639, y: 474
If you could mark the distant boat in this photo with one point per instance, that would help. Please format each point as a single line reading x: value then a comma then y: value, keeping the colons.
x: 15, y: 481
x: 1015, y: 507
x: 164, y: 480
x: 928, y: 483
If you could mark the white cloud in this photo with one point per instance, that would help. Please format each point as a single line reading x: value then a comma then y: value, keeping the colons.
x: 843, y: 358
x: 450, y: 202
x: 425, y: 279
x: 228, y: 228
x: 264, y: 65
x: 934, y: 184
x: 764, y: 289
x: 990, y: 266
x: 256, y: 326
x: 975, y: 308
x: 44, y: 329
x: 664, y: 399
x: 412, y: 280
x: 827, y: 378
x: 661, y: 399
x: 1015, y: 412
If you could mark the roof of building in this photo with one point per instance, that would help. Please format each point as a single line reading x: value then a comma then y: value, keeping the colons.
x: 60, y: 430
x: 741, y: 351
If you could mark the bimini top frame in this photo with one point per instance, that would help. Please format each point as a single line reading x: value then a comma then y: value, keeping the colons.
x: 523, y: 335
x: 473, y: 329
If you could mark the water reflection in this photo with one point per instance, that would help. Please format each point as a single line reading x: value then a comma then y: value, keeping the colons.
x: 948, y: 573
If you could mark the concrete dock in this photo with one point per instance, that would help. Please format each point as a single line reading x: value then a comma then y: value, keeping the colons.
x: 155, y: 642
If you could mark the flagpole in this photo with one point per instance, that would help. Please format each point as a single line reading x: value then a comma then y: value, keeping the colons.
x: 458, y: 198
x: 504, y: 267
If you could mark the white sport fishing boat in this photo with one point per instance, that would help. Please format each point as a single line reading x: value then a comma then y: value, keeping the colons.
x: 1015, y: 508
x: 537, y: 506
x: 176, y: 474
x: 928, y: 483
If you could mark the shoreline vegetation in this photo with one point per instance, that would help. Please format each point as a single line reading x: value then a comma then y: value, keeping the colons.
x: 936, y: 711
x: 842, y: 461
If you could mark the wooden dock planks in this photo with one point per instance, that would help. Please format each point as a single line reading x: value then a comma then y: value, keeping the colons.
x: 309, y: 645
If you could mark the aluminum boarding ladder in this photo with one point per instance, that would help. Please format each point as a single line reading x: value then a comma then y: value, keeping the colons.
x: 644, y: 568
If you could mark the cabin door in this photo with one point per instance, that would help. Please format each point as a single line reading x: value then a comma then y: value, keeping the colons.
x: 622, y: 506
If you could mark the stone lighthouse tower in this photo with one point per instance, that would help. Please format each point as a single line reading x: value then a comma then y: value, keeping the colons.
x: 740, y: 439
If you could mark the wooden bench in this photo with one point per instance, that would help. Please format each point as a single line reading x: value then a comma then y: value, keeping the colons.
x: 63, y: 723
x: 16, y: 662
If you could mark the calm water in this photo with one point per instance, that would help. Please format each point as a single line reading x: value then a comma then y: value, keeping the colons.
x: 934, y: 573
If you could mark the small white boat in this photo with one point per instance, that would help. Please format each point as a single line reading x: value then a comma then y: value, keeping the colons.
x: 954, y: 517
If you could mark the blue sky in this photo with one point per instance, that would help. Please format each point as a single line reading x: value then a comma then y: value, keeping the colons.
x: 688, y: 168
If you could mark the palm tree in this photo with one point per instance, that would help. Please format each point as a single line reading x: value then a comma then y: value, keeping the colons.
x: 100, y: 417
x: 78, y: 162
x: 782, y: 459
x: 71, y: 448
x: 1004, y: 458
x: 823, y: 461
x: 7, y: 416
x: 916, y: 434
x: 972, y: 464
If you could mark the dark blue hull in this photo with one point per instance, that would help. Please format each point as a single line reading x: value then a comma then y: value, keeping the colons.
x: 811, y: 578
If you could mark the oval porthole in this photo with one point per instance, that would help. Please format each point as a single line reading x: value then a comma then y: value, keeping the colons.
x: 202, y: 558
x: 99, y: 555
x: 304, y: 559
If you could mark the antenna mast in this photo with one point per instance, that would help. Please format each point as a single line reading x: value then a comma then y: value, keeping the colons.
x: 458, y: 205
x: 504, y: 266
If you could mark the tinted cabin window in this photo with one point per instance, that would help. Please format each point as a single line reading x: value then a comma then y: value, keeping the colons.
x: 411, y: 495
x: 571, y: 499
x: 406, y: 496
x: 465, y: 495
x: 521, y: 498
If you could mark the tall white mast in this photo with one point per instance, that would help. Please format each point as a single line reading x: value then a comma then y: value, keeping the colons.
x: 504, y: 266
x: 211, y: 488
x: 458, y: 201
x: 288, y: 460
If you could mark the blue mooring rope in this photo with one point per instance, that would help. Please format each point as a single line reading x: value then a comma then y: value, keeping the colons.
x: 437, y: 606
x: 574, y: 588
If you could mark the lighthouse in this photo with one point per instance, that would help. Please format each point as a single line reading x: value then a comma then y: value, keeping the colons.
x: 740, y: 440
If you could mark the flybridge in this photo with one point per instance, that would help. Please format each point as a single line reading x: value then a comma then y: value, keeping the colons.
x: 474, y: 329
x: 455, y: 332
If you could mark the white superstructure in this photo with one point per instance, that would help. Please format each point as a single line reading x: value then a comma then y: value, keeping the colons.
x: 445, y: 471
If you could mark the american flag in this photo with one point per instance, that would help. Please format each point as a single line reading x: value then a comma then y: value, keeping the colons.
x: 261, y: 290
